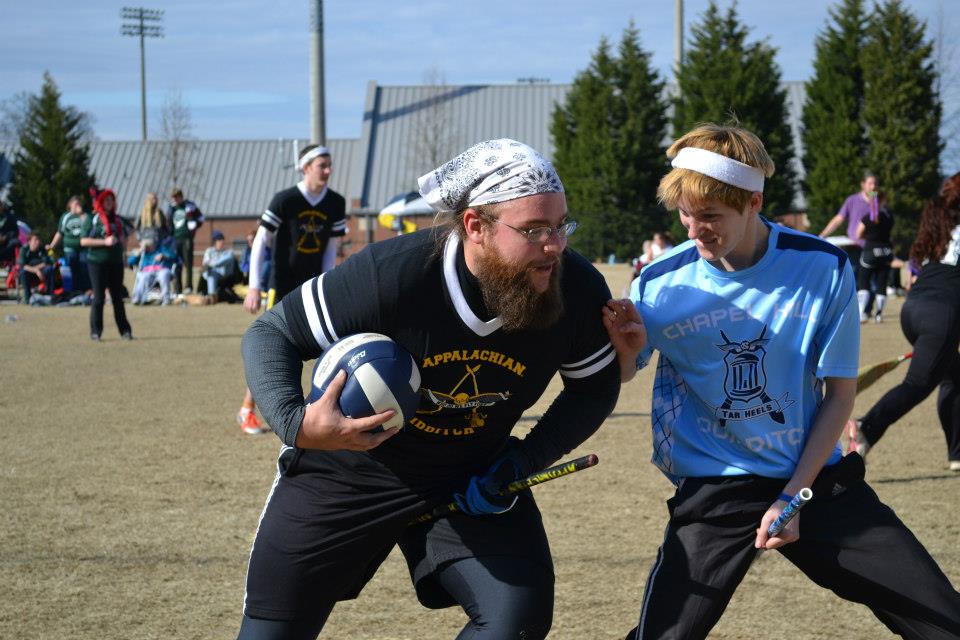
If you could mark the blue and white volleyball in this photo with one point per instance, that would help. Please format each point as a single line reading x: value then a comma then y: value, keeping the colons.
x: 381, y: 375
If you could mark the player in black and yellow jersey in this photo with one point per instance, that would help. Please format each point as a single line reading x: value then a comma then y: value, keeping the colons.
x: 301, y: 228
x: 492, y: 305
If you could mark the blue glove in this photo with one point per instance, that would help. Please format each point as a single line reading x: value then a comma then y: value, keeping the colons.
x: 482, y: 496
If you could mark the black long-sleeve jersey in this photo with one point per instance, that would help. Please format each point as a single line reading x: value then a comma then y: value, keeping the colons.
x: 477, y: 379
x: 303, y: 230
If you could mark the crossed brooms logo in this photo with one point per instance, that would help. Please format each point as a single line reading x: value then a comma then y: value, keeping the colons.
x: 311, y: 226
x: 745, y: 380
x: 465, y: 395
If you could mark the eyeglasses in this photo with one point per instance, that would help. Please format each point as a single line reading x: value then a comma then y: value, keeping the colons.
x: 541, y: 235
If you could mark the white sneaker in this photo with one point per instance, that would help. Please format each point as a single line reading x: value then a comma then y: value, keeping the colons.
x: 955, y: 466
x: 877, y: 319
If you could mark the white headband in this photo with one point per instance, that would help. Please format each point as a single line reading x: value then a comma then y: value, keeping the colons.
x: 489, y: 172
x: 310, y: 155
x: 719, y: 167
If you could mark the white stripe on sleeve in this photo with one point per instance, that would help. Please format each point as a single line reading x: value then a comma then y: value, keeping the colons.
x: 310, y: 309
x: 589, y: 365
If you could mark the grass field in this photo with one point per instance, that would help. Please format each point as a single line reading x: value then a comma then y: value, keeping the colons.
x: 131, y: 497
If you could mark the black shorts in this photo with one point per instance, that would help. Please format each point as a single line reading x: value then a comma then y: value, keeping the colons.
x: 332, y: 518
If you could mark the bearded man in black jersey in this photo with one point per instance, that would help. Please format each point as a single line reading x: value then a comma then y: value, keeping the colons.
x: 491, y: 304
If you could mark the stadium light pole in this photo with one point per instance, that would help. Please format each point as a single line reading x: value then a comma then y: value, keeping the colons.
x: 318, y: 118
x: 138, y: 24
x: 677, y: 36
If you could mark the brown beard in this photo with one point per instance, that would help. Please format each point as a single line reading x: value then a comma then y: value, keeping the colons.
x: 509, y: 293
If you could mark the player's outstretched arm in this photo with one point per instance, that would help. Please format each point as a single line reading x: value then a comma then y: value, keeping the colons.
x: 627, y: 334
x: 575, y: 414
x: 838, y: 400
x: 834, y: 222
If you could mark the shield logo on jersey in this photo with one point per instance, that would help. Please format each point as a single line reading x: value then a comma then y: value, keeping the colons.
x: 745, y: 380
x: 311, y: 228
x: 745, y: 376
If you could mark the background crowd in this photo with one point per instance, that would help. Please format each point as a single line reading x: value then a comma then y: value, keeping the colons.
x: 92, y: 246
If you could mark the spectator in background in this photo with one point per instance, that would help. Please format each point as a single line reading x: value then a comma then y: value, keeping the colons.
x: 105, y: 242
x: 73, y: 225
x: 152, y: 223
x: 875, y: 259
x: 245, y: 263
x: 185, y: 218
x: 219, y: 266
x: 9, y: 234
x: 36, y: 266
x: 661, y: 243
x: 153, y: 267
x: 854, y: 209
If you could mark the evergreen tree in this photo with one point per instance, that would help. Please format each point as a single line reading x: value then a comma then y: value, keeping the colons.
x: 834, y: 139
x: 608, y: 137
x: 722, y: 76
x: 902, y: 113
x: 53, y: 161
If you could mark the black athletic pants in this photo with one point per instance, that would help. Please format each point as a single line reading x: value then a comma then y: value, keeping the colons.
x: 873, y: 279
x: 850, y: 543
x: 104, y: 276
x: 333, y: 517
x: 932, y: 325
x: 506, y: 598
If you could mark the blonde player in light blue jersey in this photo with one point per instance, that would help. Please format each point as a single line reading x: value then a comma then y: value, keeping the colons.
x: 757, y: 330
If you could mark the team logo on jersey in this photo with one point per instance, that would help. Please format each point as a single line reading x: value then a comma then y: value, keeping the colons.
x: 311, y: 227
x: 464, y: 401
x: 464, y: 396
x: 73, y: 226
x: 745, y: 381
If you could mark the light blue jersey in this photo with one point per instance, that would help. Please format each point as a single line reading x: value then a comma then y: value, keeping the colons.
x: 743, y: 354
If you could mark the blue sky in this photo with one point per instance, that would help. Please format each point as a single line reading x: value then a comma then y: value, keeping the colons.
x: 242, y: 66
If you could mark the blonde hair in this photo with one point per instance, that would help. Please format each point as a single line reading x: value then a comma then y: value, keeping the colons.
x: 150, y: 214
x: 697, y: 189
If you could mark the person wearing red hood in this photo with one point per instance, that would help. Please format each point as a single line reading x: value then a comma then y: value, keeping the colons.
x: 105, y: 241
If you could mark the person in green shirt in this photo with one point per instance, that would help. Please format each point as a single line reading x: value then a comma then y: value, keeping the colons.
x: 36, y: 266
x: 104, y: 242
x: 74, y: 225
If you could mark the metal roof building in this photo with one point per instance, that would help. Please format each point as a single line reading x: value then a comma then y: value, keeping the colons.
x: 226, y: 178
x: 396, y: 119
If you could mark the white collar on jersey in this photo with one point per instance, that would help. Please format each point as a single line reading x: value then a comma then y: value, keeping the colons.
x: 311, y: 197
x: 460, y: 303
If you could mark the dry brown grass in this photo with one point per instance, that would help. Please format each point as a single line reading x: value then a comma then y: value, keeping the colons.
x: 131, y: 498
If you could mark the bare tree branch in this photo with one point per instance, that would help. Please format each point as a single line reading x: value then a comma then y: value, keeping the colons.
x: 173, y: 156
x: 433, y: 139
